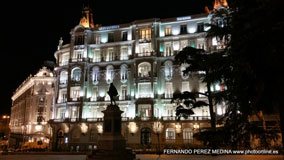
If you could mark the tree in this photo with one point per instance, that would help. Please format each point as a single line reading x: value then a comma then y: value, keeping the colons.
x: 185, y: 103
x: 255, y: 79
x: 210, y: 68
x: 246, y: 66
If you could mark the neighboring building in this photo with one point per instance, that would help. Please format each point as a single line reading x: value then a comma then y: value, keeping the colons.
x: 31, y: 109
x: 4, y: 131
x: 138, y: 58
x: 4, y: 127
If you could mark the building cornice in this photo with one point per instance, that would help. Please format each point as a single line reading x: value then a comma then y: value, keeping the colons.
x: 28, y: 84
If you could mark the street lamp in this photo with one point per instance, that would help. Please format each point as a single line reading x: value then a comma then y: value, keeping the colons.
x: 132, y: 128
x: 100, y: 128
x: 158, y: 128
x: 178, y: 128
x: 196, y: 126
x: 6, y: 125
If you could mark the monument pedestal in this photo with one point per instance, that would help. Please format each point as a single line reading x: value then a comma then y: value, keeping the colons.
x: 112, y: 145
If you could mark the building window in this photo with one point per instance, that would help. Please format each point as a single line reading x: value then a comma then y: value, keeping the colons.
x: 61, y: 113
x: 97, y: 39
x: 110, y: 55
x: 144, y: 69
x: 77, y: 55
x: 64, y: 58
x: 182, y: 69
x: 170, y: 134
x: 183, y: 29
x: 200, y: 27
x: 124, y: 53
x: 168, y: 31
x: 97, y: 55
x: 62, y: 97
x: 145, y: 136
x: 123, y: 92
x: 185, y: 86
x: 176, y: 45
x: 187, y: 135
x: 109, y: 74
x: 170, y: 110
x: 201, y: 43
x: 145, y: 34
x: 95, y: 93
x: 145, y: 49
x: 63, y: 77
x: 76, y: 74
x: 144, y: 110
x: 168, y: 70
x: 169, y: 90
x: 168, y: 49
x: 144, y: 90
x: 96, y: 75
x: 75, y: 93
x: 192, y: 43
x: 124, y: 36
x: 123, y: 73
x: 110, y: 37
x: 74, y: 112
x: 79, y: 40
x: 183, y: 44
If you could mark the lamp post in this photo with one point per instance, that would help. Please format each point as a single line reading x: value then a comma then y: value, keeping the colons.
x: 178, y: 129
x: 132, y: 126
x: 6, y: 125
x: 158, y: 128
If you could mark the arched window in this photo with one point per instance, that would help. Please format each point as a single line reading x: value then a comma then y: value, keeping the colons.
x: 187, y: 135
x: 168, y: 70
x: 170, y: 134
x: 123, y: 73
x: 182, y: 68
x: 145, y: 136
x: 76, y: 74
x: 109, y: 74
x: 63, y: 77
x: 144, y: 69
x: 96, y: 75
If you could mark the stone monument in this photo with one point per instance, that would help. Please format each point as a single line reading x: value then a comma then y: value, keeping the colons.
x: 112, y: 145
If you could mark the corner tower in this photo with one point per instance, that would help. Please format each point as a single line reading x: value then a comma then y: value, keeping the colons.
x: 87, y: 17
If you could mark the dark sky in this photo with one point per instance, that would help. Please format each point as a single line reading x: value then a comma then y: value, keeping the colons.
x: 30, y: 30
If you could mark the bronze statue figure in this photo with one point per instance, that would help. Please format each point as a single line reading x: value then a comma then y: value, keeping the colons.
x: 112, y: 92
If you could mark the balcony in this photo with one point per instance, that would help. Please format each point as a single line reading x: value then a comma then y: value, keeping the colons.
x: 191, y: 118
x: 94, y: 119
x: 145, y: 40
x: 63, y: 84
x: 145, y: 54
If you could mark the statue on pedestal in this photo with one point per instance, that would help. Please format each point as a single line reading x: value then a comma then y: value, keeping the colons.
x: 111, y: 144
x: 112, y: 92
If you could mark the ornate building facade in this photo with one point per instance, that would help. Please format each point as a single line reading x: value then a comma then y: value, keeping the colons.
x: 31, y: 109
x: 138, y: 58
x: 64, y: 107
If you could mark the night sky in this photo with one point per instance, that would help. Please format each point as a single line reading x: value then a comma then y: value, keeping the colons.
x: 30, y: 30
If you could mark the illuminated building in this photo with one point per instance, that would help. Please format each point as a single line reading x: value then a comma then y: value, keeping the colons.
x: 138, y: 58
x: 31, y: 109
